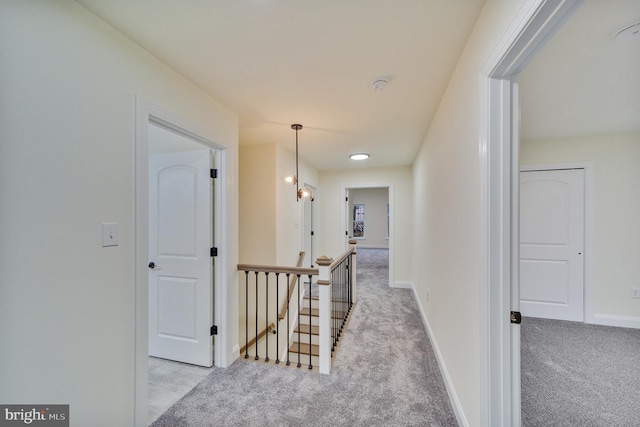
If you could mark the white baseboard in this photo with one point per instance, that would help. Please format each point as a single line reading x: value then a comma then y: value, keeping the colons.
x: 231, y: 357
x: 619, y: 321
x: 402, y: 285
x: 453, y: 396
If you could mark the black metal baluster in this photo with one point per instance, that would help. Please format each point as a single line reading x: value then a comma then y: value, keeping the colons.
x: 277, y: 319
x: 299, y: 310
x: 256, y: 343
x: 246, y: 314
x: 333, y: 309
x: 266, y: 316
x: 350, y: 277
x: 343, y: 311
x: 337, y: 277
x: 310, y: 324
x: 333, y: 320
x: 288, y: 321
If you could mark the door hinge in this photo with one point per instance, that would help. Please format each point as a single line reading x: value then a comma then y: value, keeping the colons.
x: 346, y: 233
x: 214, y: 330
x: 214, y: 252
x: 516, y: 317
x: 346, y: 199
x: 214, y: 173
x: 312, y: 233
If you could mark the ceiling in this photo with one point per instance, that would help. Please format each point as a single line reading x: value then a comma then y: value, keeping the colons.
x: 584, y: 81
x: 278, y: 62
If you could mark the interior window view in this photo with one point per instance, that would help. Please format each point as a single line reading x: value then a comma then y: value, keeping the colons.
x: 358, y: 221
x: 330, y: 213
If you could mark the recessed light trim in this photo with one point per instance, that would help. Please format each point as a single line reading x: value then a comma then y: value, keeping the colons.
x: 632, y: 32
x: 359, y: 156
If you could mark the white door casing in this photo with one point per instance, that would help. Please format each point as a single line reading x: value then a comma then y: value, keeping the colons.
x: 552, y: 212
x: 180, y: 238
x: 533, y: 25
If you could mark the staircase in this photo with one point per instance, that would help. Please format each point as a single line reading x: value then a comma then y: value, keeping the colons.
x: 317, y: 303
x: 306, y: 335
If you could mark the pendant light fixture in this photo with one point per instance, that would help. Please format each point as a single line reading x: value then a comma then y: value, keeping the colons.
x: 300, y: 192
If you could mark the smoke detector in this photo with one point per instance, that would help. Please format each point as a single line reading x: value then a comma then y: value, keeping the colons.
x: 379, y: 84
x: 629, y: 33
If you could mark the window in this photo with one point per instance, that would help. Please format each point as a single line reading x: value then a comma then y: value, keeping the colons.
x: 358, y: 221
x: 388, y: 217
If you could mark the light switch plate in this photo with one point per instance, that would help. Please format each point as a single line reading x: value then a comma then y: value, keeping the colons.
x: 110, y: 234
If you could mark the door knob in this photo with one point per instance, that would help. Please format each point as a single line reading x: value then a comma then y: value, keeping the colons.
x: 152, y: 265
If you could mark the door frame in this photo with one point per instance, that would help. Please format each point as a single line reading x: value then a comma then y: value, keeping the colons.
x: 345, y: 218
x: 313, y: 244
x: 534, y: 24
x: 589, y: 227
x: 147, y: 112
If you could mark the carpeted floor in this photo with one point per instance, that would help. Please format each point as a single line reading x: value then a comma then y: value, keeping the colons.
x: 574, y: 374
x: 384, y: 373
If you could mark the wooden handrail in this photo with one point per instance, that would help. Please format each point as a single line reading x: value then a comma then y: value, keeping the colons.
x: 342, y: 257
x: 303, y: 271
x: 292, y: 283
x: 253, y: 340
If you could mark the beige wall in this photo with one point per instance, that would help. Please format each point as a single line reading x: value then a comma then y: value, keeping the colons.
x: 291, y: 213
x: 257, y: 204
x: 616, y: 211
x: 333, y: 211
x: 375, y: 216
x: 67, y: 129
x: 271, y: 220
x: 447, y: 211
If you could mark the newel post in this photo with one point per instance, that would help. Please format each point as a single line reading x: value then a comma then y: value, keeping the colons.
x: 352, y: 272
x: 324, y: 307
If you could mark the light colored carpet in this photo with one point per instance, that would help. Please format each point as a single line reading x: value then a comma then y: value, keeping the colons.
x: 384, y: 373
x: 574, y: 374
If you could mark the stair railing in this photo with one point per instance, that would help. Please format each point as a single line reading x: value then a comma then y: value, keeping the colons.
x: 293, y: 280
x: 336, y: 280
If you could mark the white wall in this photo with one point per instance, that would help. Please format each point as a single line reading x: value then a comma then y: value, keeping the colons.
x: 617, y: 210
x: 375, y: 216
x: 447, y: 211
x: 67, y: 129
x: 399, y: 179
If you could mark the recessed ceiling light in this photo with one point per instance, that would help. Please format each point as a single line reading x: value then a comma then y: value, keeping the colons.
x: 359, y: 156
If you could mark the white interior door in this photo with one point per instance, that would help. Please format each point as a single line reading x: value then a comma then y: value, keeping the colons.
x: 552, y: 244
x: 180, y: 240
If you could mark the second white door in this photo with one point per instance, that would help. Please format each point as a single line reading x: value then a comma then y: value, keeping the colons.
x: 552, y: 244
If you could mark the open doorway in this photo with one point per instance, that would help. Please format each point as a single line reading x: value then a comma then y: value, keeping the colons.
x: 180, y: 220
x: 565, y: 350
x: 535, y: 24
x: 174, y: 135
x: 309, y: 239
x: 368, y: 221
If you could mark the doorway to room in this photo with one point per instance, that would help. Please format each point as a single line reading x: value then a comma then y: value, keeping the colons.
x: 182, y: 138
x: 368, y: 220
